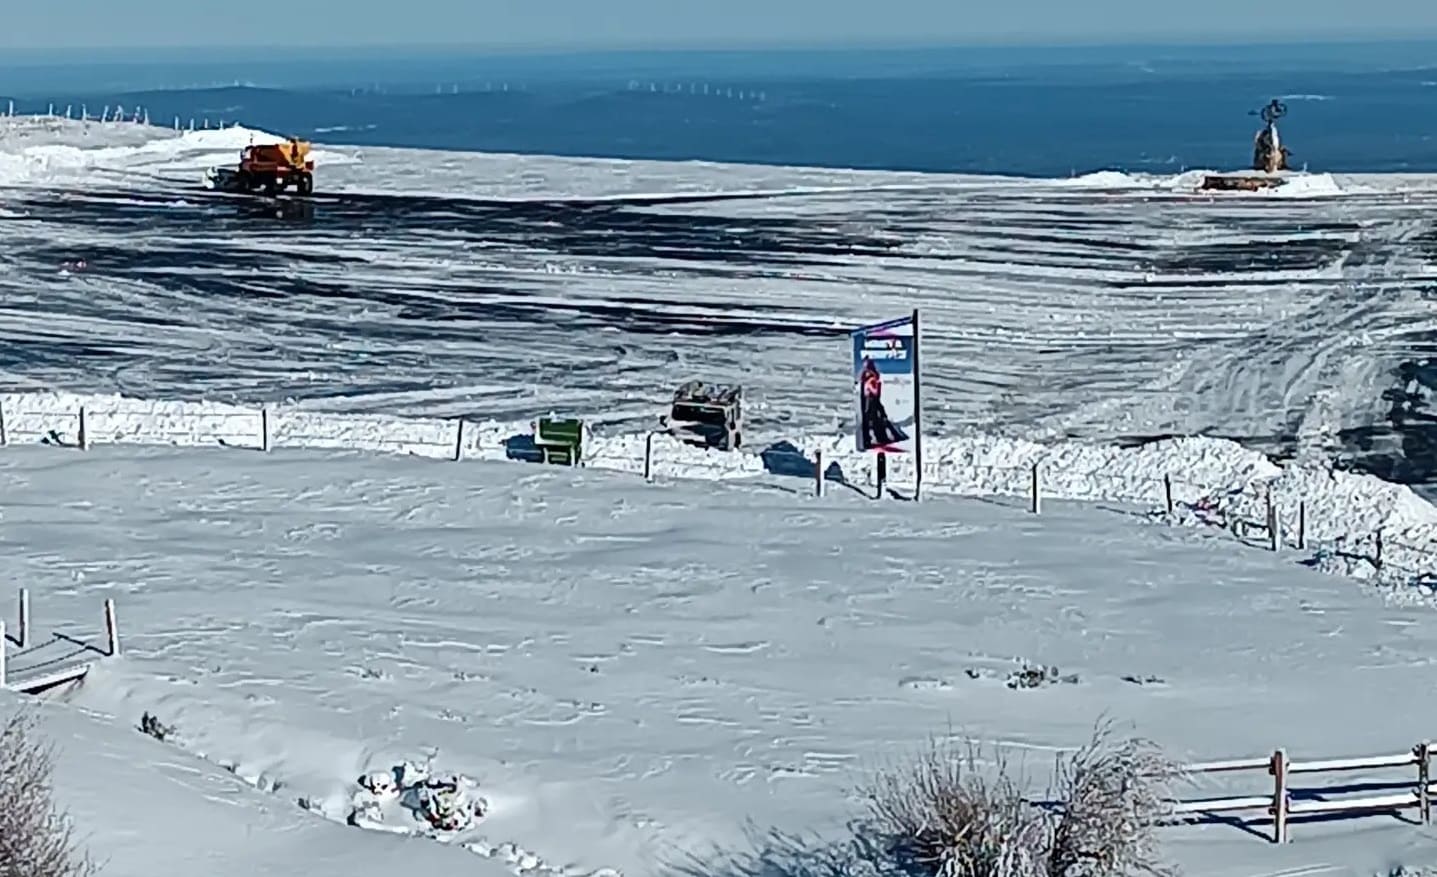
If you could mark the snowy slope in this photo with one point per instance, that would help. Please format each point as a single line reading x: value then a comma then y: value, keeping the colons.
x: 675, y: 679
x: 629, y: 690
x: 1102, y: 306
x: 142, y: 808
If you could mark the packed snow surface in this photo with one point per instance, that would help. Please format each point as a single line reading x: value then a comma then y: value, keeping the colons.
x: 500, y: 286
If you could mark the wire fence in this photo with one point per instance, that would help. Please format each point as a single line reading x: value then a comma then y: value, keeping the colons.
x: 1308, y: 510
x: 116, y: 114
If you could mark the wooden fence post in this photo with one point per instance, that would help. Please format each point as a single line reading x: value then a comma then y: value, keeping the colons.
x: 264, y: 429
x: 112, y: 628
x: 1302, y: 525
x: 818, y: 473
x: 24, y: 618
x: 1168, y: 492
x: 1274, y: 526
x: 1377, y: 550
x: 1423, y: 752
x: 1278, y: 769
x: 4, y: 645
x: 4, y: 439
x: 649, y: 457
x: 84, y: 438
x: 1037, y: 503
x: 459, y: 442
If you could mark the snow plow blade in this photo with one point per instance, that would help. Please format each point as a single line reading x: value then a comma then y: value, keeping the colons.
x: 222, y: 179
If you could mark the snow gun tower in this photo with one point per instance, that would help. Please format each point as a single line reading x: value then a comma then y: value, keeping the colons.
x: 1268, y: 153
x: 1269, y: 156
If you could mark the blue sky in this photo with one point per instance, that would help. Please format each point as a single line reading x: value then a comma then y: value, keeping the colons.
x: 680, y: 23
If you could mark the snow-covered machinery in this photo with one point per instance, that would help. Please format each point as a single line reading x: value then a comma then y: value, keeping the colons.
x: 445, y: 804
x: 1269, y: 157
x: 706, y: 415
x: 271, y: 167
x: 392, y: 800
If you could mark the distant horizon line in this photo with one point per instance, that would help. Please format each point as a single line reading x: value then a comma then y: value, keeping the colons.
x: 998, y: 43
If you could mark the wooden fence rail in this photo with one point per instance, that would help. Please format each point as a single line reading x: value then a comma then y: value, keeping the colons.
x: 1281, y: 805
x: 39, y: 666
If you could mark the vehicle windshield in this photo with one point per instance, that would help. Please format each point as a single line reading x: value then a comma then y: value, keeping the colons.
x: 690, y: 412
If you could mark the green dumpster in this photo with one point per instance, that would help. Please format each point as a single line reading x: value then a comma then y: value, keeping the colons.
x: 560, y: 441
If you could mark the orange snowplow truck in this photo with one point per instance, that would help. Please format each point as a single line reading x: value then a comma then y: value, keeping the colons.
x: 272, y: 167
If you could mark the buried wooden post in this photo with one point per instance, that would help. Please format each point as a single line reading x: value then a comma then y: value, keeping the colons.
x: 4, y: 645
x: 1037, y: 504
x: 4, y: 440
x: 818, y: 473
x: 459, y: 442
x: 1274, y: 526
x: 1302, y: 525
x: 264, y: 430
x: 1377, y: 550
x: 1278, y: 769
x: 649, y: 457
x: 24, y: 637
x: 112, y: 629
x: 84, y: 439
x: 1423, y: 753
x: 1168, y: 493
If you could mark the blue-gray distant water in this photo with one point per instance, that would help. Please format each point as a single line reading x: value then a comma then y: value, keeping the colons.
x: 1036, y: 112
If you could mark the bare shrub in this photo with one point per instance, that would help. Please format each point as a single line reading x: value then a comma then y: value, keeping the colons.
x: 946, y: 813
x: 1113, y: 794
x: 35, y: 837
x: 943, y: 815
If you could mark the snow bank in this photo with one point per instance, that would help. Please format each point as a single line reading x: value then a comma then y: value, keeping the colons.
x: 1299, y: 184
x: 1104, y: 180
x: 37, y: 150
x: 1344, y: 516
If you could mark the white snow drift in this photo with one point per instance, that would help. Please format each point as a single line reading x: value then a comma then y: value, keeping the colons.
x: 661, y: 680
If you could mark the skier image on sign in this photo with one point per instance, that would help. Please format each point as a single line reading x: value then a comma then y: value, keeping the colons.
x: 878, y: 430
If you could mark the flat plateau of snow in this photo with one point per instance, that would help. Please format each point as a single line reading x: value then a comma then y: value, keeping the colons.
x: 660, y: 679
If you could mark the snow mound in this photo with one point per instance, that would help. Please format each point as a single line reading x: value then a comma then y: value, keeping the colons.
x: 42, y: 151
x: 1104, y: 180
x: 1298, y: 184
x: 234, y: 137
x: 408, y: 800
